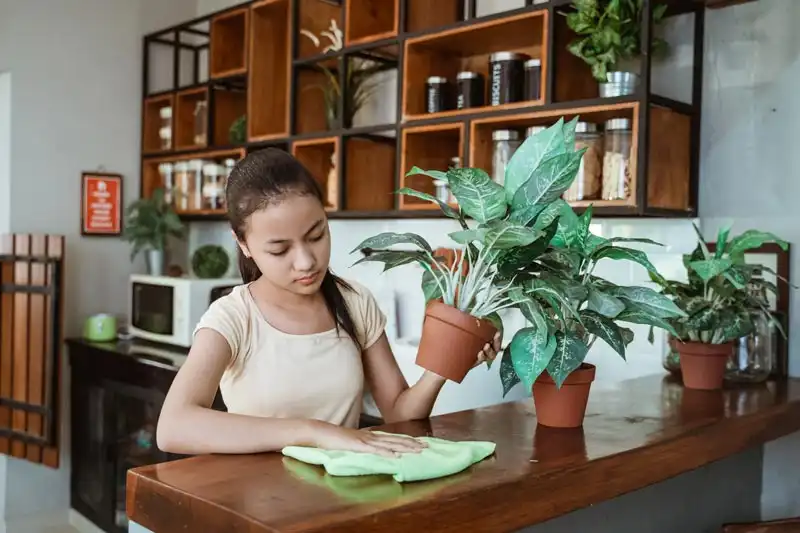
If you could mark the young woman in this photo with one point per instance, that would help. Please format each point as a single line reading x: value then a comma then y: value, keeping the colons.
x: 293, y: 349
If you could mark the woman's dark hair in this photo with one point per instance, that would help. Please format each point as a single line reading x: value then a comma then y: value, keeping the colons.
x: 263, y: 178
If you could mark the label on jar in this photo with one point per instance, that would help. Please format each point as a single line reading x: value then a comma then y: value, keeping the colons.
x: 497, y: 73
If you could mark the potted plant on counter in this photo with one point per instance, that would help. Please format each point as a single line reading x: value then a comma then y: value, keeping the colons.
x: 148, y: 224
x: 609, y: 41
x: 529, y: 250
x: 718, y: 307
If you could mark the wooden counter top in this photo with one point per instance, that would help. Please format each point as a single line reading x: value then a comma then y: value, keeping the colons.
x: 648, y: 430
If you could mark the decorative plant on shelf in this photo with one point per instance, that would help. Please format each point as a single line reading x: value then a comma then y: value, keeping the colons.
x: 360, y: 83
x: 148, y: 224
x: 718, y: 307
x: 210, y: 261
x: 610, y: 33
x: 529, y: 250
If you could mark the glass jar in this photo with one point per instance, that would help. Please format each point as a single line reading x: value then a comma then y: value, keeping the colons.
x: 506, y: 85
x: 671, y: 360
x: 182, y: 186
x: 533, y: 130
x: 196, y: 184
x: 617, y: 159
x: 213, y: 187
x: 588, y: 182
x: 201, y: 123
x: 165, y: 129
x: 753, y: 357
x: 506, y: 143
x: 166, y: 170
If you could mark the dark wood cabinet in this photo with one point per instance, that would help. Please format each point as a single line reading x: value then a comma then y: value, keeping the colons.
x: 117, y: 393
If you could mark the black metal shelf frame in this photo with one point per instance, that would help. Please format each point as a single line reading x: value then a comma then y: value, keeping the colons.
x: 468, y: 18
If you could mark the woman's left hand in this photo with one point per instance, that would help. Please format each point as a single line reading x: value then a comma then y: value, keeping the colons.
x: 489, y: 351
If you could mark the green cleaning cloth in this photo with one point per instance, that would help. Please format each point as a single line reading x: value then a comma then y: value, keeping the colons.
x: 441, y: 458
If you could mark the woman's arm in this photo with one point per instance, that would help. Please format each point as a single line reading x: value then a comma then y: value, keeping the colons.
x: 188, y: 425
x: 395, y: 399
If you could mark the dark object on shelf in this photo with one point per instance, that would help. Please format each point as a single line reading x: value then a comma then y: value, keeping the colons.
x: 471, y: 90
x: 210, y: 262
x: 437, y: 91
x: 533, y: 79
x: 506, y: 77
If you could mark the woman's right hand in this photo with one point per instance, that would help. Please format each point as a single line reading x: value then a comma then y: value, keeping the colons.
x: 332, y: 437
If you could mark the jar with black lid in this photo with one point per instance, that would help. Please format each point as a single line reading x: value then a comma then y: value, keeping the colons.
x: 437, y: 94
x: 471, y: 90
x: 533, y: 79
x: 506, y: 70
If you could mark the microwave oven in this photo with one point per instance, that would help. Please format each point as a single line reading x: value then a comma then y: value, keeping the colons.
x: 167, y: 309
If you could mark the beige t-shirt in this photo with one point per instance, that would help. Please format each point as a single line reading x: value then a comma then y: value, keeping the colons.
x: 276, y: 374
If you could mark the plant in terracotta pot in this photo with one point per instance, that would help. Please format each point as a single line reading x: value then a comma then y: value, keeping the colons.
x: 529, y: 250
x: 719, y: 308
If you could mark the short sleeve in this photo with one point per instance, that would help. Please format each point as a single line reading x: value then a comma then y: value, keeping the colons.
x: 370, y: 320
x: 226, y: 318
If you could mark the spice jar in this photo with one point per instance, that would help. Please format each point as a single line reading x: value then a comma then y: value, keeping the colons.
x: 436, y: 97
x: 617, y: 159
x: 506, y: 70
x: 167, y: 178
x: 165, y: 129
x: 213, y: 186
x: 201, y: 123
x: 471, y: 90
x: 182, y: 185
x: 533, y: 79
x: 588, y: 182
x: 196, y: 184
x: 506, y: 143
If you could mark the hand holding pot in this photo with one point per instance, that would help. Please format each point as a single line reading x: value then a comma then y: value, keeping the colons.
x: 489, y: 351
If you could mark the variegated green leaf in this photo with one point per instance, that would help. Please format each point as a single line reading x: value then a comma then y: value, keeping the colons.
x: 530, y: 155
x: 549, y: 181
x: 446, y: 208
x: 624, y: 254
x: 389, y: 239
x: 605, y: 304
x: 478, y: 196
x: 649, y: 301
x: 711, y: 268
x: 604, y: 328
x: 435, y: 174
x: 469, y: 235
x: 508, y: 376
x: 569, y: 354
x: 529, y: 355
x: 393, y: 258
x: 751, y: 239
x: 635, y: 315
x: 502, y: 234
x: 722, y: 241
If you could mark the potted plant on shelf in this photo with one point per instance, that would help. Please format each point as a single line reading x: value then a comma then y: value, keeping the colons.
x: 531, y: 251
x: 359, y: 80
x: 610, y: 40
x: 148, y: 224
x: 718, y: 307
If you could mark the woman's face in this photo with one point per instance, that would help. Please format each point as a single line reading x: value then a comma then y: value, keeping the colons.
x: 290, y: 242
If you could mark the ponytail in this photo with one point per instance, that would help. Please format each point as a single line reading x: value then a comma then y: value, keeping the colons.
x: 247, y: 267
x: 331, y: 289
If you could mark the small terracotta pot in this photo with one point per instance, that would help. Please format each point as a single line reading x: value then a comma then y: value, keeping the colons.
x: 451, y: 341
x: 703, y: 365
x: 564, y: 407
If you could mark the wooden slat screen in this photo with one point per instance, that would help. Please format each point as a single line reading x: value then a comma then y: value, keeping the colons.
x: 31, y: 320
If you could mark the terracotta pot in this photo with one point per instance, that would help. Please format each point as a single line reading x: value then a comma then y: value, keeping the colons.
x: 703, y: 365
x: 451, y: 341
x: 564, y: 407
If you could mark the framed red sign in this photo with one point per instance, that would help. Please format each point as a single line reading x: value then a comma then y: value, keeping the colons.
x: 101, y: 204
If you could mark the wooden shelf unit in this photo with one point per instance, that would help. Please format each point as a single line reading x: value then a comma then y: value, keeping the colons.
x: 320, y: 157
x: 260, y: 65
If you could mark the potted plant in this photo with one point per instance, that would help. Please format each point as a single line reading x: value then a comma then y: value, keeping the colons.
x: 718, y: 307
x: 148, y: 223
x: 528, y: 250
x: 610, y: 40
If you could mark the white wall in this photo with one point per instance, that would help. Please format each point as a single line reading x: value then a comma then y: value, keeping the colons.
x: 76, y: 102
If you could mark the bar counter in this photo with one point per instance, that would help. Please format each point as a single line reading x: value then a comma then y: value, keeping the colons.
x: 643, y: 432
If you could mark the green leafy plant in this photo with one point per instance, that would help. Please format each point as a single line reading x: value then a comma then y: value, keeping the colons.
x: 528, y: 249
x: 210, y: 261
x: 149, y: 222
x: 610, y: 31
x: 719, y: 307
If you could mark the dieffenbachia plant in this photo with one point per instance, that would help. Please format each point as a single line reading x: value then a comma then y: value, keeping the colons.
x: 529, y: 250
x: 719, y: 307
